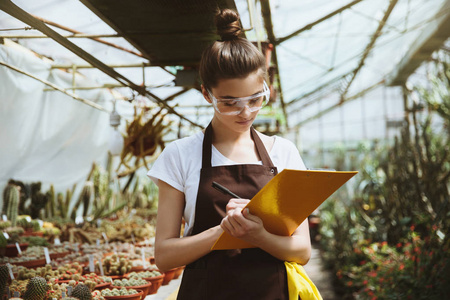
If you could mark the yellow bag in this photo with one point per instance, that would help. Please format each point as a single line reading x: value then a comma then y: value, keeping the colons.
x: 299, y: 284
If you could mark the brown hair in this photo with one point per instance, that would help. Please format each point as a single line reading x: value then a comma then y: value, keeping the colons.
x: 232, y: 56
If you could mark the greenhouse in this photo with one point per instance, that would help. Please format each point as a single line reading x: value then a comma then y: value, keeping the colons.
x: 120, y: 120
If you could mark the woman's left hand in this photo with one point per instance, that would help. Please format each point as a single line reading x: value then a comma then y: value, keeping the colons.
x: 243, y: 225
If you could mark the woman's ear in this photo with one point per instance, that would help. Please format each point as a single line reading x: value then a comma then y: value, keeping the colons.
x: 205, y: 94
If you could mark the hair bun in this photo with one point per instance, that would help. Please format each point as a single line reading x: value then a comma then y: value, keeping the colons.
x: 227, y: 23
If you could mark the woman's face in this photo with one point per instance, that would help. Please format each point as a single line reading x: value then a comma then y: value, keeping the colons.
x: 237, y: 88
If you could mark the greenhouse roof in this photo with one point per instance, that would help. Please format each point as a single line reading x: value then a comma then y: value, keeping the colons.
x: 336, y: 49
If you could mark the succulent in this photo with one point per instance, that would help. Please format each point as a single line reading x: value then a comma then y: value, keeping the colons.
x: 12, y: 193
x: 18, y: 286
x: 3, y: 241
x: 82, y: 292
x: 4, y: 275
x: 145, y: 274
x: 36, y: 289
x: 117, y: 292
x: 4, y: 224
x: 51, y: 205
x: 130, y: 282
x: 90, y: 284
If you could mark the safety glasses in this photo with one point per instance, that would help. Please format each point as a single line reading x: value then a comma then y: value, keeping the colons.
x: 235, y: 106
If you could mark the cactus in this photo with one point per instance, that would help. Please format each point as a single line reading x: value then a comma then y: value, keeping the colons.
x: 13, y: 203
x: 67, y: 203
x: 84, y: 198
x: 90, y: 284
x: 50, y: 209
x: 61, y: 204
x: 6, y: 195
x: 38, y: 200
x: 4, y: 276
x: 37, y: 289
x: 86, y: 195
x: 82, y: 292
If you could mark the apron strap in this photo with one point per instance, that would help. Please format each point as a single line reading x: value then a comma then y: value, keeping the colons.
x: 262, y: 152
x: 207, y: 148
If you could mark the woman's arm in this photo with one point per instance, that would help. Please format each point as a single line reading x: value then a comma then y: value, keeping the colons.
x: 170, y: 250
x: 243, y: 225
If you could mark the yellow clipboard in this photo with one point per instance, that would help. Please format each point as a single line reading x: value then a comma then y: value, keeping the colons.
x: 287, y: 200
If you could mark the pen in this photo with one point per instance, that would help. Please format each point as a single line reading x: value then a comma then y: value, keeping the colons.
x: 224, y: 190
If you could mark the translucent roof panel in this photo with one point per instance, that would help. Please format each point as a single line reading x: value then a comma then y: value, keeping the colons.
x: 329, y: 52
x: 317, y: 63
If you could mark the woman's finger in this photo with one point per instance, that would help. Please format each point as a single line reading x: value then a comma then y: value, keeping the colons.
x: 236, y: 203
x: 246, y: 213
x: 226, y: 225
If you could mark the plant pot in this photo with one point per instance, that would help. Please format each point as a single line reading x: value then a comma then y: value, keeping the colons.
x: 63, y: 281
x: 102, y: 286
x: 178, y: 272
x: 117, y: 276
x: 58, y: 254
x: 144, y: 288
x: 11, y: 249
x: 31, y: 263
x: 137, y: 296
x: 137, y: 269
x: 156, y: 283
x: 169, y: 276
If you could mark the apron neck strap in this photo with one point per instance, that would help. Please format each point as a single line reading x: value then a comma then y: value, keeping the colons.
x: 207, y: 148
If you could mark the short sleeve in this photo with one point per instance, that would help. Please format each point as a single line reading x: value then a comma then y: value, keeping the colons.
x: 168, y: 168
x: 286, y: 155
x: 295, y: 161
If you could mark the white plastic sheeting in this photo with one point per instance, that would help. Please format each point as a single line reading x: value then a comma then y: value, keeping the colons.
x: 46, y: 135
x: 49, y: 137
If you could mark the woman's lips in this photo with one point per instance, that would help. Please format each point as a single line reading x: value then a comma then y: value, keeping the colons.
x: 244, y: 122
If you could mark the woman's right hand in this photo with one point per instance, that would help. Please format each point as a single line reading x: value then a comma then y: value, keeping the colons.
x: 235, y: 203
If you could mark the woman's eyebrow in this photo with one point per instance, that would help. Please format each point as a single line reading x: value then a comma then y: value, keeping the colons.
x: 232, y: 97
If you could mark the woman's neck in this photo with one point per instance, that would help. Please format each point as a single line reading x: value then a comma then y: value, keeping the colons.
x: 223, y: 135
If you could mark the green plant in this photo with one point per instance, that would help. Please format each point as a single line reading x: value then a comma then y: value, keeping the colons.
x: 13, y: 194
x: 3, y: 241
x: 82, y: 292
x: 368, y: 240
x: 4, y: 277
x: 36, y: 289
x: 415, y: 268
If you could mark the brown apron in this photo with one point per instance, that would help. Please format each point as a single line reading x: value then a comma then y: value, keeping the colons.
x: 232, y: 274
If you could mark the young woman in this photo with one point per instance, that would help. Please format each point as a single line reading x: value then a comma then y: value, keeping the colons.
x: 233, y: 154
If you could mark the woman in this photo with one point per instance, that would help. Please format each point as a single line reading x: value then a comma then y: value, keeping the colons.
x: 233, y: 154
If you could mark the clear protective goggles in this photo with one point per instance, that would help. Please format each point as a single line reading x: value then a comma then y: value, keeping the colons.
x: 234, y: 106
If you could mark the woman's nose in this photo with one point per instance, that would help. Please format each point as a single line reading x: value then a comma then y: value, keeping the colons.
x: 245, y: 111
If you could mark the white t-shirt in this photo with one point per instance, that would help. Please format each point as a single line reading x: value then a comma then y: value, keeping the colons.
x: 180, y: 163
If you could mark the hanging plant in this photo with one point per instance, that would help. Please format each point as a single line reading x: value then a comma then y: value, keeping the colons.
x: 143, y: 138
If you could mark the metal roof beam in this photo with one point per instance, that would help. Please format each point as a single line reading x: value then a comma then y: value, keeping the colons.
x: 10, y: 8
x: 311, y: 25
x: 75, y: 35
x: 56, y: 88
x: 97, y: 39
x: 327, y: 110
x: 267, y: 16
x: 431, y: 39
x: 370, y: 46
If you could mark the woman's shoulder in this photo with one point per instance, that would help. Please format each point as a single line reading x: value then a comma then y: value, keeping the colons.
x: 285, y: 143
x: 185, y: 144
x: 276, y: 142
